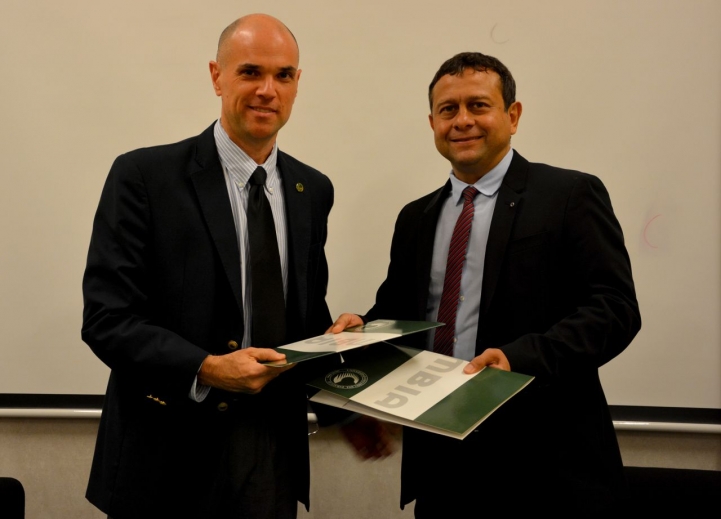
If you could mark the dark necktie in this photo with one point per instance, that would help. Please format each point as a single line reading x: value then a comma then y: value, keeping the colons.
x: 267, y: 302
x: 443, y: 341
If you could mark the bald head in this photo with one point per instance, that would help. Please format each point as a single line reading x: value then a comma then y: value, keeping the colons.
x: 252, y: 23
x: 256, y: 76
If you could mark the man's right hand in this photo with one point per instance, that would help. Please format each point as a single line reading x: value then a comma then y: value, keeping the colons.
x: 343, y: 322
x: 241, y: 371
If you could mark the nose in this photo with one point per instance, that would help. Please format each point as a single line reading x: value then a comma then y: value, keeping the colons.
x: 463, y: 119
x: 266, y: 88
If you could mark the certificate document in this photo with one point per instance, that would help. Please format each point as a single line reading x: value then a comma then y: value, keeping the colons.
x: 418, y: 389
x: 356, y: 337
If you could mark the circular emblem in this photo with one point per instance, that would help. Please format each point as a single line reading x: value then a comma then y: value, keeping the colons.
x: 375, y: 324
x: 346, y: 379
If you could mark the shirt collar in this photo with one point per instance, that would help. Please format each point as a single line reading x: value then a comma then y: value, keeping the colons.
x: 488, y: 185
x: 238, y: 163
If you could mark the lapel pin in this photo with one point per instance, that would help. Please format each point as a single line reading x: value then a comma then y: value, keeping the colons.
x: 299, y: 187
x: 155, y: 399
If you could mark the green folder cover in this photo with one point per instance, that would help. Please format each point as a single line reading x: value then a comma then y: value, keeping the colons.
x: 418, y: 389
x: 352, y: 338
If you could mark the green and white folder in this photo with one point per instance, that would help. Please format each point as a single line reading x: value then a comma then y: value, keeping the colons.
x: 356, y: 337
x: 418, y: 389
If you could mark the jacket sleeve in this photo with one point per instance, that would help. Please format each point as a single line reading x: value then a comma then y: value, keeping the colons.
x: 600, y: 312
x: 119, y: 322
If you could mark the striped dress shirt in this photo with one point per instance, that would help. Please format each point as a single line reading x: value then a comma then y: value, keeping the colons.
x: 238, y: 167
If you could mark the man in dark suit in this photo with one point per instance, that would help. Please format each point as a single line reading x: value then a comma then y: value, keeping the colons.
x: 194, y: 424
x: 543, y: 287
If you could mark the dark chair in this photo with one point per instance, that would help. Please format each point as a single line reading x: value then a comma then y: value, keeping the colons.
x: 12, y: 499
x: 667, y: 492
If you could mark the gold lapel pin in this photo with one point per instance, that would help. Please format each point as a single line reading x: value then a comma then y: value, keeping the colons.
x: 156, y: 399
x: 299, y: 187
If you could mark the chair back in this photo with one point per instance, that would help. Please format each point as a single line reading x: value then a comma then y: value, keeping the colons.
x: 12, y: 499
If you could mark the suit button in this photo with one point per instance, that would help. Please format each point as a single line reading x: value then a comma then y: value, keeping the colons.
x: 232, y: 345
x: 222, y: 407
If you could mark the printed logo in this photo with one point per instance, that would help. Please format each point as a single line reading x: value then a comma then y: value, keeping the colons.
x: 375, y: 324
x: 346, y: 379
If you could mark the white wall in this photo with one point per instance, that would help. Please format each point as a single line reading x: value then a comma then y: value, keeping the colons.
x: 625, y: 89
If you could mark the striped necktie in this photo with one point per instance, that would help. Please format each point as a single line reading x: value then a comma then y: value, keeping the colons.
x: 445, y: 335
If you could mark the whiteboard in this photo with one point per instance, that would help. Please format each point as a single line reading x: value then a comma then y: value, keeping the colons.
x: 629, y: 90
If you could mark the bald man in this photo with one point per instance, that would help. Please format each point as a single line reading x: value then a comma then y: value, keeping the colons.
x: 194, y: 424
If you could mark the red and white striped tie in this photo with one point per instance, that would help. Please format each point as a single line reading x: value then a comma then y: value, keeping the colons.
x: 443, y: 341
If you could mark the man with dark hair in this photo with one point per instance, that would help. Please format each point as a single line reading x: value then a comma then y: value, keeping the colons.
x: 204, y: 253
x: 526, y: 265
x: 459, y: 63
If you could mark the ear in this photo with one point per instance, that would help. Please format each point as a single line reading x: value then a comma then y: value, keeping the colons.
x: 514, y: 113
x: 430, y: 120
x: 297, y: 79
x: 214, y: 68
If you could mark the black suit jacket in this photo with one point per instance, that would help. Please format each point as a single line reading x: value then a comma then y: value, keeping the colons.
x: 162, y: 290
x: 558, y: 298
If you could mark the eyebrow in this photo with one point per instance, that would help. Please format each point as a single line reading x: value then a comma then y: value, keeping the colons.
x: 474, y: 98
x: 253, y: 66
x: 470, y: 99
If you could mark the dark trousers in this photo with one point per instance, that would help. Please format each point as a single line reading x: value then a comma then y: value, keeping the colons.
x: 254, y: 477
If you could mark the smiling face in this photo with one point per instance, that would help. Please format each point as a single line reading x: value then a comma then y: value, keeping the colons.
x: 471, y: 126
x: 256, y: 77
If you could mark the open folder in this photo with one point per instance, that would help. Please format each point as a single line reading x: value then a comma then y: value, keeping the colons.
x: 356, y: 337
x: 418, y: 389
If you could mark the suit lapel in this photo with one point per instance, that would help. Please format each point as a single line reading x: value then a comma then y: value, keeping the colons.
x: 209, y: 183
x: 426, y: 239
x: 507, y: 204
x: 298, y: 221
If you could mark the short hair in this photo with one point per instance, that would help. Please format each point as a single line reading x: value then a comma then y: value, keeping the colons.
x: 480, y: 63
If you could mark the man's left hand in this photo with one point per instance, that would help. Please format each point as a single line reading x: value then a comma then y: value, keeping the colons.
x: 345, y: 321
x: 492, y: 357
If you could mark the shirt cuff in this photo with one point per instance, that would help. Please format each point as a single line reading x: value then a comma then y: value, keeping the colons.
x: 198, y: 392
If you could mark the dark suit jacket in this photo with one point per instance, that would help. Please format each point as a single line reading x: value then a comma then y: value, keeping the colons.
x: 162, y: 290
x: 558, y: 298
